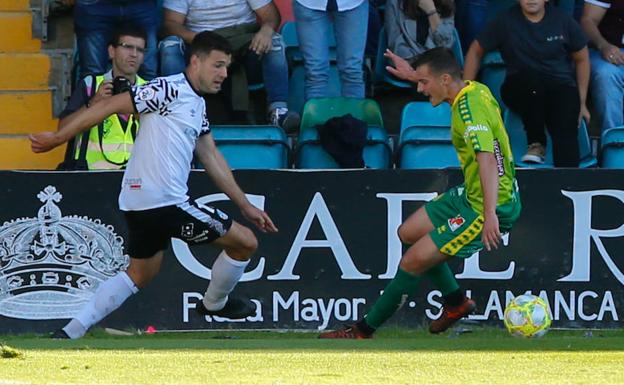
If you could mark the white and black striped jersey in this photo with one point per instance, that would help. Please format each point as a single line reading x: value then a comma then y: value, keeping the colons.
x: 173, y: 116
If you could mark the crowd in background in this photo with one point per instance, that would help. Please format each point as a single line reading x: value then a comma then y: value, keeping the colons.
x: 559, y: 64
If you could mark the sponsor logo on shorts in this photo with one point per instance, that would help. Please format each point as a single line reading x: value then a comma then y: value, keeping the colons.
x: 187, y: 230
x: 201, y: 237
x: 456, y: 223
x: 222, y: 215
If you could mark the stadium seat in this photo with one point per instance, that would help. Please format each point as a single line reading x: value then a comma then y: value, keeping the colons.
x: 252, y: 147
x: 318, y: 111
x: 517, y: 137
x: 311, y: 155
x: 381, y: 75
x: 492, y: 74
x: 612, y: 148
x: 377, y: 153
x: 424, y: 114
x: 425, y: 137
x: 457, y: 48
x: 585, y: 147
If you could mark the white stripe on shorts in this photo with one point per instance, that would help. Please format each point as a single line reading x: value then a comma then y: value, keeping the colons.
x: 203, y: 217
x: 195, y: 212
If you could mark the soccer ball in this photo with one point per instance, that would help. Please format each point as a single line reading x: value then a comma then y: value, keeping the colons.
x: 527, y: 316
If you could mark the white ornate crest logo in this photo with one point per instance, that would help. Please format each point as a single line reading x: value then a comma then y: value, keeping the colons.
x: 51, y: 265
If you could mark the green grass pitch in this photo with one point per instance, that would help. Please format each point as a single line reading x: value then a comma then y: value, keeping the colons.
x: 483, y: 356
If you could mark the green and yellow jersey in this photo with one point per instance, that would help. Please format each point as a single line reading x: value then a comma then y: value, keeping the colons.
x: 477, y: 126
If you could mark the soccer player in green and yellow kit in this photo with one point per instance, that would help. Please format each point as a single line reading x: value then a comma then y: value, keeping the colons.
x: 466, y: 218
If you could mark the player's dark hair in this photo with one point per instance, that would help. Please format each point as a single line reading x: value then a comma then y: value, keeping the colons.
x: 128, y: 30
x: 440, y: 60
x: 207, y: 41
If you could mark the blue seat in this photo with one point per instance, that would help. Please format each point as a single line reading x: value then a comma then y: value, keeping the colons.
x: 424, y: 114
x: 377, y: 153
x: 425, y: 137
x: 492, y: 73
x: 612, y: 148
x: 252, y: 147
x: 585, y: 147
x: 517, y: 137
x: 382, y: 75
x: 457, y: 48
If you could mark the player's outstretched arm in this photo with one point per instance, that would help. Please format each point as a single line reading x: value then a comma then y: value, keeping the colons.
x: 488, y: 174
x: 219, y: 171
x: 81, y: 120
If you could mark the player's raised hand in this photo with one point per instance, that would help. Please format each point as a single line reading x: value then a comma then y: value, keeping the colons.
x: 259, y: 218
x: 400, y: 67
x: 43, y: 141
x: 490, y: 235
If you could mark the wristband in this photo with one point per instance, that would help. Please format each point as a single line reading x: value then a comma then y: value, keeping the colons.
x: 431, y: 13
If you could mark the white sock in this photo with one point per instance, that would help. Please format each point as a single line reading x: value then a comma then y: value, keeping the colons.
x: 108, y: 297
x: 225, y: 275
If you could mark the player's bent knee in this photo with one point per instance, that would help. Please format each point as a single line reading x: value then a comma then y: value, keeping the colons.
x: 405, y: 236
x: 245, y: 244
x: 412, y: 265
x: 250, y: 242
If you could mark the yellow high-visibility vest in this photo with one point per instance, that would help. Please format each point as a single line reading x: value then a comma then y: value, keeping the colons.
x: 109, y: 146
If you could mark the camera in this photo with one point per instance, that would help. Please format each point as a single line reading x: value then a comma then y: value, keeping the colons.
x: 121, y: 84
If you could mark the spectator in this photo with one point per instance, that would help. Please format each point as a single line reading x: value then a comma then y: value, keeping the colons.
x: 95, y: 22
x: 375, y: 23
x: 350, y: 21
x: 416, y: 26
x: 547, y: 75
x: 108, y: 145
x: 603, y: 22
x: 470, y: 17
x: 252, y: 42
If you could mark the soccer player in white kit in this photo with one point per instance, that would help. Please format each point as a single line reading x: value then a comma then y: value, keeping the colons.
x: 154, y: 188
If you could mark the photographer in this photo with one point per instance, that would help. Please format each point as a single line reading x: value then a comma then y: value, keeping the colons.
x: 108, y: 145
